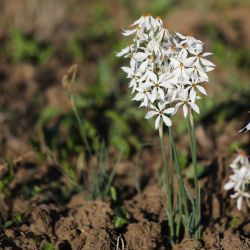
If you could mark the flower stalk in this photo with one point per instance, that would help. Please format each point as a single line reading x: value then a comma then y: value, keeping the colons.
x: 192, y: 141
x: 168, y: 184
x: 182, y: 190
x: 68, y: 84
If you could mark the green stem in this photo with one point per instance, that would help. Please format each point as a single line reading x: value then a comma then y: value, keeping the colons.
x: 182, y: 190
x: 169, y: 189
x: 74, y: 108
x: 79, y: 122
x: 196, y: 185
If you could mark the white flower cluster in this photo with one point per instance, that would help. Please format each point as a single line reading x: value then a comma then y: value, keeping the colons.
x: 166, y: 70
x: 240, y: 180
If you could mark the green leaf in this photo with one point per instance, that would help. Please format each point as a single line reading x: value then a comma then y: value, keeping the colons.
x: 118, y: 120
x: 234, y: 222
x: 121, y: 144
x: 182, y: 160
x: 113, y: 193
x: 49, y: 113
x: 8, y: 223
x: 48, y: 246
x: 119, y: 222
x: 18, y: 217
x: 201, y: 170
x: 45, y: 55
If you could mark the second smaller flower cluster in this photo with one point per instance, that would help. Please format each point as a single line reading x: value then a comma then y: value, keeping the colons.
x: 239, y: 181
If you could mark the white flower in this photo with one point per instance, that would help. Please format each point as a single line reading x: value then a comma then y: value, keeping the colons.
x: 197, y: 59
x: 192, y: 43
x: 158, y: 85
x: 148, y: 22
x: 143, y: 94
x: 239, y: 181
x: 181, y: 69
x: 161, y: 113
x: 136, y: 72
x: 240, y: 160
x: 240, y: 197
x: 193, y: 86
x: 182, y: 49
x: 186, y: 103
x: 199, y: 74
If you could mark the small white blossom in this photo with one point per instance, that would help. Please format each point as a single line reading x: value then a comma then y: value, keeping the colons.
x: 181, y: 69
x: 158, y: 85
x: 143, y: 95
x: 191, y: 42
x: 185, y: 101
x: 161, y: 113
x: 239, y: 181
x: 197, y: 59
x: 193, y: 86
x: 240, y: 160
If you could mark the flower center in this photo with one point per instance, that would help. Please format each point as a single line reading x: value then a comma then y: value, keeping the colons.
x: 199, y: 55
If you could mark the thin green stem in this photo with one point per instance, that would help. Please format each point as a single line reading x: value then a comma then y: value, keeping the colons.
x: 191, y: 130
x: 80, y: 125
x: 73, y: 71
x: 169, y: 189
x: 182, y: 190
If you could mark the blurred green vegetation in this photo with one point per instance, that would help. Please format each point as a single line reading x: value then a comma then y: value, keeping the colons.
x: 21, y: 48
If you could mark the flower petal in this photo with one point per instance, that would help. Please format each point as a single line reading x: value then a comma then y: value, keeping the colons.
x: 127, y: 70
x: 239, y: 202
x: 169, y: 111
x: 152, y: 76
x: 229, y: 185
x: 140, y: 56
x: 192, y: 95
x: 150, y: 114
x: 194, y: 107
x: 180, y: 35
x: 167, y: 121
x: 207, y: 54
x: 154, y: 95
x: 157, y: 122
x: 207, y: 63
x: 129, y: 32
x: 185, y: 110
x: 201, y: 89
x: 161, y: 93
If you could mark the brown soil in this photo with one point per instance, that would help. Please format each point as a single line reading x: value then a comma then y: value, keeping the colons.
x: 82, y: 224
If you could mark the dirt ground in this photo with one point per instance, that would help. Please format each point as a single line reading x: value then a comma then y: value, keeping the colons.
x: 38, y: 217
